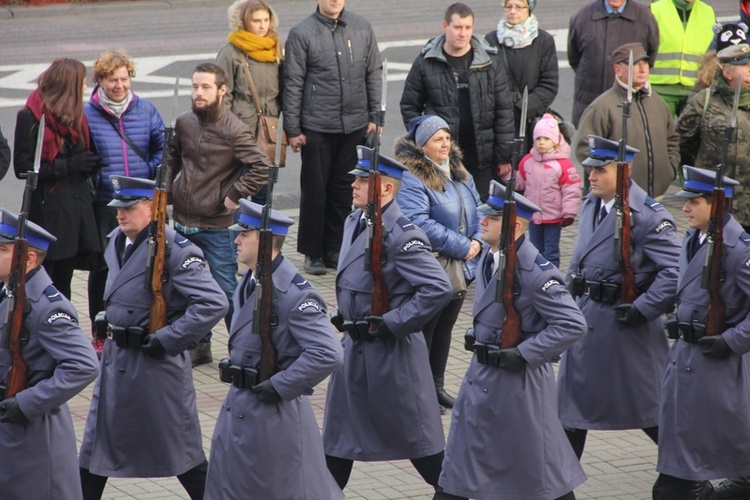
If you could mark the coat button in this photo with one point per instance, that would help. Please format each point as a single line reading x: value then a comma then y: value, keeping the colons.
x: 484, y: 391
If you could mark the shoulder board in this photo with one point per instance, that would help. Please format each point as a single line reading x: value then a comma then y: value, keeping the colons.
x: 405, y: 223
x: 301, y: 282
x: 745, y: 238
x: 542, y: 262
x: 52, y: 294
x: 664, y: 224
x: 182, y: 241
x: 652, y: 203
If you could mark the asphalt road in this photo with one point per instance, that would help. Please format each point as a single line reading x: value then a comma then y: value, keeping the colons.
x: 169, y: 39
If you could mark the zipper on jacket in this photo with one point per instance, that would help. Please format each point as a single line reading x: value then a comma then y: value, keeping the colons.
x: 351, y: 55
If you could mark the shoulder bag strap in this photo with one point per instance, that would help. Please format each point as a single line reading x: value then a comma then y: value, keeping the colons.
x: 123, y: 136
x: 250, y: 81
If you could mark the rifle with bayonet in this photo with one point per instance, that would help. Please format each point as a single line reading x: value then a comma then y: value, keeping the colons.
x: 18, y: 306
x: 374, y: 217
x: 506, y: 275
x: 157, y: 245
x: 716, y: 323
x: 264, y: 287
x: 623, y: 217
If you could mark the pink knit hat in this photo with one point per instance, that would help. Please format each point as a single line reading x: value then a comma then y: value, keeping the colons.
x: 547, y: 127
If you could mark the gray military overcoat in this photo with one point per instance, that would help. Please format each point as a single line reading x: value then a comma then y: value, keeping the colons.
x: 143, y: 420
x: 381, y: 404
x: 704, y: 422
x: 506, y: 440
x: 263, y: 450
x: 611, y: 378
x: 38, y: 459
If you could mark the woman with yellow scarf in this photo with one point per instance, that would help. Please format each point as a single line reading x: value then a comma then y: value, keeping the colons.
x: 253, y: 44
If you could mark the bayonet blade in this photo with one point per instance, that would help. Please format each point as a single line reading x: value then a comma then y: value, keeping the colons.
x: 39, y: 145
x: 384, y: 94
x: 736, y: 102
x: 279, y: 138
x: 630, y: 77
x: 176, y: 97
x: 524, y: 111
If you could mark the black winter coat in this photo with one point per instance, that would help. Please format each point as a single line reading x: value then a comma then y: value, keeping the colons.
x: 62, y: 203
x: 534, y: 67
x: 430, y: 89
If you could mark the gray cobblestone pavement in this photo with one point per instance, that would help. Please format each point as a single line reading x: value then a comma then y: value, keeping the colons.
x: 620, y: 464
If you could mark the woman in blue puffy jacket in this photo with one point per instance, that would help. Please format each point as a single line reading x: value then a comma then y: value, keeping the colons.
x: 127, y: 132
x: 438, y: 194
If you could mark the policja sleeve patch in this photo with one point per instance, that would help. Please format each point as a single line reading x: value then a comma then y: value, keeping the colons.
x: 409, y: 244
x: 308, y: 304
x: 59, y: 315
x: 191, y: 260
x: 550, y: 283
x: 664, y: 225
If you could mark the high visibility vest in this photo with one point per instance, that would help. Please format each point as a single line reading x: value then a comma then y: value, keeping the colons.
x: 681, y: 49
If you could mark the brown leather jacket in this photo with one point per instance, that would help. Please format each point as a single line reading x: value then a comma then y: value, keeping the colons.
x: 210, y: 161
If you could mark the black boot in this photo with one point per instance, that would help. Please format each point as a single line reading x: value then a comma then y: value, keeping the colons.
x: 737, y: 488
x: 445, y: 399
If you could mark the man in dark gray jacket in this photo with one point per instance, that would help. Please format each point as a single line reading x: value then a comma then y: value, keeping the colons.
x: 332, y: 86
x: 458, y: 78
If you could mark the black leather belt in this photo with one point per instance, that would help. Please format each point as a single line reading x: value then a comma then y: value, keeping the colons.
x: 127, y: 337
x: 241, y: 377
x: 691, y: 332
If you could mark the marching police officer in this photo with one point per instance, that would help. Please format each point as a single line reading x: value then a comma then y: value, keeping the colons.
x: 143, y: 420
x: 704, y: 419
x: 381, y: 405
x: 610, y: 379
x: 37, y: 440
x: 266, y: 443
x: 506, y: 440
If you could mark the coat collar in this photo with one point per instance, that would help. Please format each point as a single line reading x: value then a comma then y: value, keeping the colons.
x: 408, y: 153
x: 482, y: 50
x: 283, y: 276
x: 600, y: 12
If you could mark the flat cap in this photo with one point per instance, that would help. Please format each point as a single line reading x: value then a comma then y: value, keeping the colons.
x: 604, y: 151
x: 386, y: 165
x: 496, y: 200
x: 251, y: 218
x: 130, y: 190
x: 36, y: 235
x: 700, y: 182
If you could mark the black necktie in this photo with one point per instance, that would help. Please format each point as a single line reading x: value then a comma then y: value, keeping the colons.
x: 600, y: 215
x: 488, y: 267
x: 249, y: 288
x: 360, y: 227
x: 128, y: 252
x: 695, y: 245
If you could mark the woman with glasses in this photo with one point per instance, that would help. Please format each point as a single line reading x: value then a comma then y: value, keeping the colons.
x: 530, y: 59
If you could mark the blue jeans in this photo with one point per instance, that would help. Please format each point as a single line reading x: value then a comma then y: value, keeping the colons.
x: 217, y: 246
x: 546, y: 239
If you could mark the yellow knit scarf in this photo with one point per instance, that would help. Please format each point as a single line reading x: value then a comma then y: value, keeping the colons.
x: 259, y: 48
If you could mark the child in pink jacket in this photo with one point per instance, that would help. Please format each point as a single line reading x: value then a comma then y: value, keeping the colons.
x: 552, y: 182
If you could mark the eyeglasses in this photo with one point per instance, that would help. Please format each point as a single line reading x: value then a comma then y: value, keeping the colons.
x: 514, y: 7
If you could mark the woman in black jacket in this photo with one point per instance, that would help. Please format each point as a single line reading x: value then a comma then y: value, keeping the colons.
x: 62, y: 202
x: 529, y: 56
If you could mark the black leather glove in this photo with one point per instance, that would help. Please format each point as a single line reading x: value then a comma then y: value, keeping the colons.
x: 714, y: 346
x: 381, y: 330
x: 85, y: 163
x: 266, y: 392
x: 10, y: 412
x: 151, y: 345
x: 510, y: 359
x: 629, y: 315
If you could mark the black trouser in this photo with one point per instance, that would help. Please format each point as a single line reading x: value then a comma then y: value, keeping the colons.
x: 577, y: 438
x: 61, y: 273
x: 441, y: 495
x: 437, y: 335
x: 194, y: 482
x: 97, y: 284
x: 428, y: 467
x: 325, y: 190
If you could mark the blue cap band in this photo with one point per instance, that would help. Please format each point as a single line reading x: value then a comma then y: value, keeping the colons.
x: 11, y: 233
x: 250, y: 221
x: 383, y: 169
x: 705, y: 187
x: 134, y: 193
x: 498, y: 203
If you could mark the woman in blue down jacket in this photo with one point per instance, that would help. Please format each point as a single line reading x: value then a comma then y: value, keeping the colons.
x: 439, y: 196
x: 127, y: 133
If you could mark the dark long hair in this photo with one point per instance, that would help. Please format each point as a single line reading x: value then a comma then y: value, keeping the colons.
x: 61, y: 90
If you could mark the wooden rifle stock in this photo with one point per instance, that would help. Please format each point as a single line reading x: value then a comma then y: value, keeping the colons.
x: 623, y: 225
x: 16, y: 381
x: 264, y: 287
x: 511, y: 336
x: 157, y: 245
x: 716, y: 323
x: 16, y: 286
